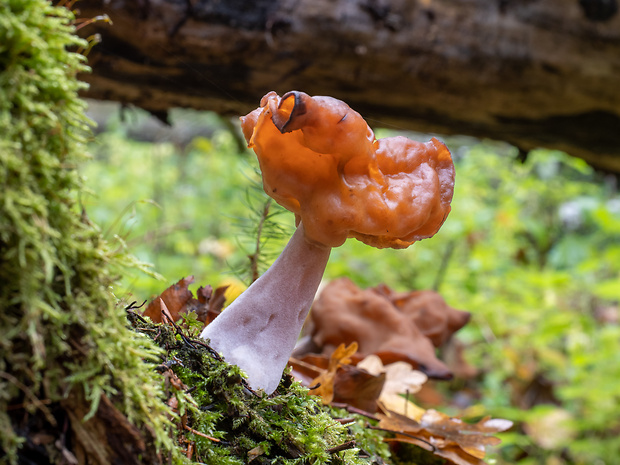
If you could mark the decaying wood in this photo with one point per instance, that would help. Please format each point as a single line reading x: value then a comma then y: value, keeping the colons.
x: 529, y: 72
x: 107, y: 437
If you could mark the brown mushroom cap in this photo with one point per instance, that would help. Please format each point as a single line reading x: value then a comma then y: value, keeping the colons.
x: 320, y: 160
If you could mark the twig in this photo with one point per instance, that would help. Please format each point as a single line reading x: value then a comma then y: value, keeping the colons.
x: 345, y: 421
x: 357, y: 411
x: 130, y: 310
x: 443, y: 265
x: 191, y: 430
x: 132, y: 306
x: 341, y: 447
x: 165, y: 312
x: 34, y: 399
x: 402, y: 433
x: 254, y: 258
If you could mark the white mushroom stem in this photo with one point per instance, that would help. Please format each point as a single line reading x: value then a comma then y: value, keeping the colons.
x: 258, y: 331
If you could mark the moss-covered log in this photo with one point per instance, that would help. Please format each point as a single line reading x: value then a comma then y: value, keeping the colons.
x: 73, y: 382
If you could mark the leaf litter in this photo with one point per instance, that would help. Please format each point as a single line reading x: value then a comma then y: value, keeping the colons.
x: 379, y: 393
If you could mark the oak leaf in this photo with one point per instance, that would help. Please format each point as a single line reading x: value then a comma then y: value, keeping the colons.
x: 357, y: 388
x: 175, y: 297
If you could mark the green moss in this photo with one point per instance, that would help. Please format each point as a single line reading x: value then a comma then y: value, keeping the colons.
x: 289, y: 426
x: 62, y: 331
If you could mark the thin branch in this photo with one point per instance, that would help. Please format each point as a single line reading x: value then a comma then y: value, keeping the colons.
x: 443, y: 266
x: 402, y: 433
x: 191, y: 430
x: 341, y: 447
x: 30, y: 395
x: 255, y: 257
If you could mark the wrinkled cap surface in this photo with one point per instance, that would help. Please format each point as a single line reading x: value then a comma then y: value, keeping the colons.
x: 320, y: 160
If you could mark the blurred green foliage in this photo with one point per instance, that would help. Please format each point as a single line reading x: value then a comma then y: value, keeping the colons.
x: 532, y: 249
x: 186, y: 202
x: 536, y: 261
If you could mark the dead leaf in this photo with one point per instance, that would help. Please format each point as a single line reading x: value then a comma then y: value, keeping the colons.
x: 457, y: 456
x: 255, y: 453
x: 344, y: 313
x: 428, y: 311
x: 303, y: 371
x: 341, y: 356
x: 175, y: 298
x: 216, y: 303
x: 358, y: 388
x: 451, y: 438
x: 400, y: 378
x: 352, y: 385
x: 372, y: 364
x: 402, y: 406
x: 179, y: 300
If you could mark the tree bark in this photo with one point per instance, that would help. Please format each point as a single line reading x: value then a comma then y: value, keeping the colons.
x: 532, y: 73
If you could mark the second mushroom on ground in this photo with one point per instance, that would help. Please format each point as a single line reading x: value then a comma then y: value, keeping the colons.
x: 320, y: 160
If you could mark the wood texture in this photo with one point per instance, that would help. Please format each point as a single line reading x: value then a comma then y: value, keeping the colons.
x: 531, y: 72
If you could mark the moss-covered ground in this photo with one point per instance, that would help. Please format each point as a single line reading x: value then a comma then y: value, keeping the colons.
x: 222, y: 421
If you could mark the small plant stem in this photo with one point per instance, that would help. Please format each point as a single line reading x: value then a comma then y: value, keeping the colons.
x: 255, y: 257
x: 443, y: 265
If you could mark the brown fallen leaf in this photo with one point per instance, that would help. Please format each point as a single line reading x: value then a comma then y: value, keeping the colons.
x: 344, y: 313
x: 428, y: 311
x: 175, y: 297
x: 402, y: 406
x: 451, y: 438
x: 303, y: 371
x: 179, y: 300
x: 255, y: 453
x: 457, y: 456
x: 213, y: 300
x: 357, y: 388
x: 352, y: 385
x: 400, y: 378
x: 325, y: 381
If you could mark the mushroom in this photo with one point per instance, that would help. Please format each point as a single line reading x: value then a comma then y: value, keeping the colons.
x: 320, y: 160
